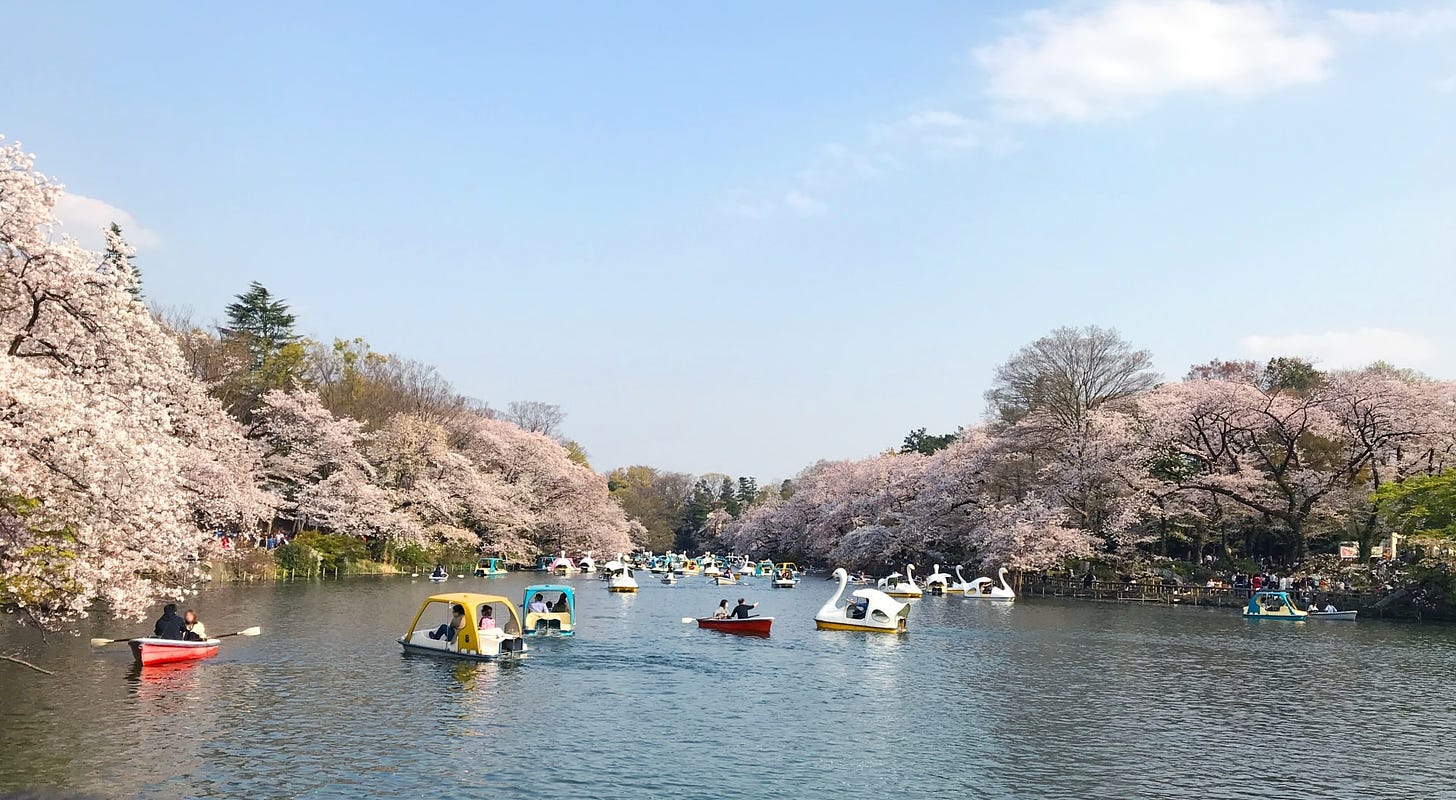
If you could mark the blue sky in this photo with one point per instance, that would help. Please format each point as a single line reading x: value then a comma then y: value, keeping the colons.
x: 743, y: 237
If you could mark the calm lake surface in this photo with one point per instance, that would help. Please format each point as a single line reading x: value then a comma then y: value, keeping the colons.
x: 1039, y: 699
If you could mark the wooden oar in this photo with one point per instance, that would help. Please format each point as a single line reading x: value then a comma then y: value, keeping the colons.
x: 687, y: 620
x: 253, y: 631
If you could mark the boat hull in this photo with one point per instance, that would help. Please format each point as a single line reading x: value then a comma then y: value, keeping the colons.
x: 781, y: 584
x: 414, y: 649
x: 1334, y: 616
x: 754, y: 626
x: 170, y: 651
x: 623, y: 589
x: 824, y: 625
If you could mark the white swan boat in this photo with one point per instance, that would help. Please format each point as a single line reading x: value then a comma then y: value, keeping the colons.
x: 864, y: 610
x: 962, y: 586
x: 906, y: 587
x: 986, y: 589
x: 587, y: 564
x: 619, y: 576
x: 938, y: 583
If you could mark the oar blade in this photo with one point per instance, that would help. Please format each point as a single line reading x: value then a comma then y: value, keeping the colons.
x: 101, y: 642
x: 253, y: 631
x: 686, y: 620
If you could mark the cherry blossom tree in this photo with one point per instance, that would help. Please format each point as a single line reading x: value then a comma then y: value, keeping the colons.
x: 110, y: 454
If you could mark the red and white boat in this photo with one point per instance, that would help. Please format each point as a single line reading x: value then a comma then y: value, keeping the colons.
x: 755, y: 626
x: 166, y: 651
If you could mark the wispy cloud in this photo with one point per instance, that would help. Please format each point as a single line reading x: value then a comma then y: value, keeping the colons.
x: 804, y: 205
x: 1345, y: 349
x: 1125, y: 55
x: 85, y: 219
x: 936, y: 130
x: 1402, y: 23
x: 1082, y: 62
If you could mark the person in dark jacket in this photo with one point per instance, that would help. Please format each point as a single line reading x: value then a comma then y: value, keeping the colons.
x: 170, y: 626
x: 741, y: 610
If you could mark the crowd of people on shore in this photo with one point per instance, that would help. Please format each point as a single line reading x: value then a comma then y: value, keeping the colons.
x: 268, y: 541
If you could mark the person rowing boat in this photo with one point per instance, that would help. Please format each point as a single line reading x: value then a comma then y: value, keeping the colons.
x: 741, y: 610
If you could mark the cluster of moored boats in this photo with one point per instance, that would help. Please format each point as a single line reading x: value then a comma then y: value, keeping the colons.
x: 487, y: 627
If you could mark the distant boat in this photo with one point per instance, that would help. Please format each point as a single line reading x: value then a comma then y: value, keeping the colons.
x: 1274, y: 605
x: 1333, y: 616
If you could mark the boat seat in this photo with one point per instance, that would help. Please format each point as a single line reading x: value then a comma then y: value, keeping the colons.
x: 552, y: 619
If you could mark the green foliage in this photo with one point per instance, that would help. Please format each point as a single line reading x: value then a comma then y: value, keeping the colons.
x: 748, y: 492
x: 1422, y: 506
x: 728, y: 498
x: 1288, y: 373
x: 576, y: 453
x: 298, y: 558
x: 260, y: 320
x: 335, y: 550
x: 55, y: 548
x: 260, y: 336
x: 410, y: 556
x: 918, y: 441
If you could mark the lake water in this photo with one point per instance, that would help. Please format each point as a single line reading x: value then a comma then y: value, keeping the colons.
x: 1037, y: 699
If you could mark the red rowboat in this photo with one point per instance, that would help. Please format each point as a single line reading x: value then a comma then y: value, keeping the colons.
x: 166, y: 651
x: 755, y: 626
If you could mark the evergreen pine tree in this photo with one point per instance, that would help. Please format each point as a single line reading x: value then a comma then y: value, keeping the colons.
x: 727, y: 499
x: 263, y: 322
x: 695, y: 516
x: 747, y: 491
x: 118, y: 259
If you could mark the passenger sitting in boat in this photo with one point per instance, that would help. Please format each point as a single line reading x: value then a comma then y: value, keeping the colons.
x: 1330, y: 608
x: 741, y: 610
x: 196, y: 631
x: 439, y: 572
x: 538, y: 605
x: 448, y: 630
x: 487, y: 618
x: 1313, y: 607
x: 857, y: 609
x: 561, y: 607
x: 171, y: 626
x: 721, y: 612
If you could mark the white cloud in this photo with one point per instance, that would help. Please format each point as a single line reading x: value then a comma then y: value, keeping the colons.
x: 804, y: 205
x: 1398, y: 23
x: 1128, y: 53
x: 85, y: 219
x: 936, y: 130
x: 1345, y: 349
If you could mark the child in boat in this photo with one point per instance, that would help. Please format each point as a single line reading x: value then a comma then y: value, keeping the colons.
x: 721, y: 612
x: 487, y: 618
x: 196, y: 631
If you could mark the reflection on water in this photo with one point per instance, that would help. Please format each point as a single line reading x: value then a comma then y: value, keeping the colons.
x: 980, y: 700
